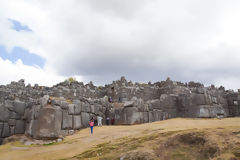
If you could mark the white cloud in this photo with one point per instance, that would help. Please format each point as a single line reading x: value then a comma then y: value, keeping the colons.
x: 144, y: 40
x: 32, y: 74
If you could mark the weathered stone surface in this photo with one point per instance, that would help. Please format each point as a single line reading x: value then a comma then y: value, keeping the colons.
x: 1, y: 128
x: 64, y: 105
x: 85, y: 117
x: 78, y: 108
x: 6, y: 131
x: 19, y: 107
x: 77, y: 122
x: 30, y: 128
x: 1, y: 140
x: 132, y: 114
x: 12, y: 122
x: 71, y: 109
x: 4, y: 113
x: 20, y: 127
x: 198, y: 99
x: 48, y: 124
x: 67, y: 122
x: 86, y: 107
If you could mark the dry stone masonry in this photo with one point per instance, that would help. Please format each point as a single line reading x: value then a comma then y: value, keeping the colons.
x: 51, y: 112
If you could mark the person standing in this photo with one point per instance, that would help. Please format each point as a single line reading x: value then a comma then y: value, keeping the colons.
x: 91, y: 123
x: 108, y: 121
x: 99, y: 119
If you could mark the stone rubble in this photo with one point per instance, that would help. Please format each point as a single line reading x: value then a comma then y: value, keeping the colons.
x: 47, y: 113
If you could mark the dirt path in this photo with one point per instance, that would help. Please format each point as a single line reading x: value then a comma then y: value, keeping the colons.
x: 81, y: 141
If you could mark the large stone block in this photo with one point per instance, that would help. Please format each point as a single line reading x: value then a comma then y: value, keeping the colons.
x: 71, y: 109
x: 78, y: 108
x: 86, y: 107
x: 20, y: 127
x: 85, y: 117
x: 67, y: 122
x: 77, y: 122
x: 64, y: 105
x: 95, y: 108
x: 150, y: 116
x: 48, y: 124
x: 1, y: 128
x: 12, y: 122
x: 198, y: 99
x: 132, y: 115
x: 19, y: 107
x: 30, y: 128
x: 14, y: 115
x: 4, y: 113
x: 6, y: 130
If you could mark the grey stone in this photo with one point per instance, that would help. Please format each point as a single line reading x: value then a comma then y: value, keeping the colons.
x: 64, y: 105
x: 1, y: 129
x: 85, y: 117
x: 67, y: 122
x: 19, y: 107
x: 71, y: 109
x: 12, y: 130
x: 77, y: 123
x: 6, y: 131
x: 198, y: 99
x: 78, y: 108
x: 44, y: 100
x: 20, y: 127
x: 30, y: 128
x: 86, y: 107
x: 12, y: 122
x: 48, y: 124
x: 4, y: 113
x: 133, y: 116
x: 14, y: 115
x: 1, y: 140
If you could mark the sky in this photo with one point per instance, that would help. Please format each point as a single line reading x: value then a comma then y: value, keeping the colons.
x: 47, y: 41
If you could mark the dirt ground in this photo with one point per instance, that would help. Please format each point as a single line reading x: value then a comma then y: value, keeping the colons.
x: 83, y: 141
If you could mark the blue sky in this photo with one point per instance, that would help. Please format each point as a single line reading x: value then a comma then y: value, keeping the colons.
x: 16, y: 53
x: 27, y: 58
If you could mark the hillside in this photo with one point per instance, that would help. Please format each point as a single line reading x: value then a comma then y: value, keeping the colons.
x: 169, y: 139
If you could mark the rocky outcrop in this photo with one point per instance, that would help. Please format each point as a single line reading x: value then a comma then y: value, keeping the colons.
x: 52, y: 112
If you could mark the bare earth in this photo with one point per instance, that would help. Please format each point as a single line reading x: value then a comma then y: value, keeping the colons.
x: 83, y: 140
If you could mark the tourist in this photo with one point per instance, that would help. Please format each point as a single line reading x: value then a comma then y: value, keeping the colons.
x: 91, y: 123
x: 99, y: 120
x: 112, y: 121
x: 110, y: 99
x: 107, y: 120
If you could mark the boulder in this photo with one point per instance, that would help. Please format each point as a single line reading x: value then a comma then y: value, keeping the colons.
x: 67, y: 120
x: 14, y: 115
x: 198, y: 99
x: 78, y: 108
x: 1, y: 128
x: 86, y: 107
x: 48, y: 124
x: 1, y: 140
x: 64, y: 105
x: 4, y: 114
x: 85, y: 117
x: 6, y: 131
x: 30, y: 128
x: 77, y: 123
x: 12, y: 122
x: 20, y: 127
x: 19, y: 107
x: 132, y: 115
x: 71, y: 109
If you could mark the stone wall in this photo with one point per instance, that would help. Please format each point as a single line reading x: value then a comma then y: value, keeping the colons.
x: 52, y: 112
